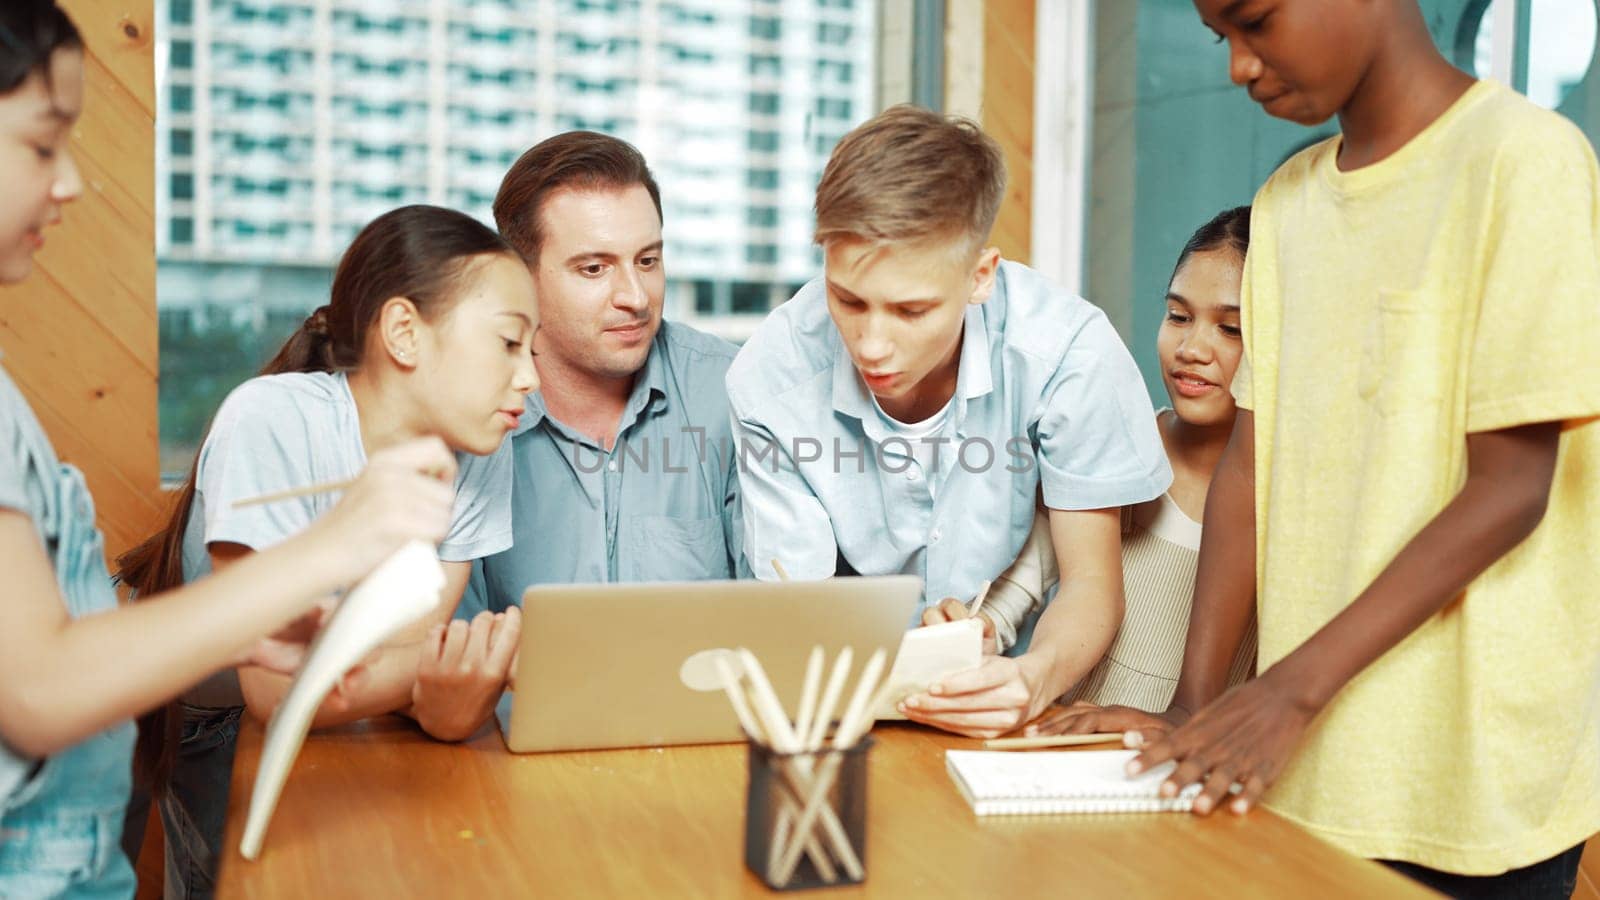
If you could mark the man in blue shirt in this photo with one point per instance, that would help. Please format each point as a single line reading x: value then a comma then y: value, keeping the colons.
x: 623, y: 465
x: 901, y: 414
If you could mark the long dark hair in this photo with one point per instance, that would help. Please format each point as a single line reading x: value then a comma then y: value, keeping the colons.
x: 1228, y: 229
x: 30, y: 32
x: 417, y: 252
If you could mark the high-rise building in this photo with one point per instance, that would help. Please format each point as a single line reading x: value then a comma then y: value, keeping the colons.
x: 286, y: 125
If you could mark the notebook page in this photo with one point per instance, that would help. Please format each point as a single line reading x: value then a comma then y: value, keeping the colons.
x: 928, y: 654
x: 1060, y: 781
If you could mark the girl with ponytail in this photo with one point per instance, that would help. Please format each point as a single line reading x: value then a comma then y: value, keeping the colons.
x: 74, y: 665
x: 428, y: 332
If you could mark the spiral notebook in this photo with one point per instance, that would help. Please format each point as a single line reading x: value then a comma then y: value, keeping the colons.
x: 1000, y: 783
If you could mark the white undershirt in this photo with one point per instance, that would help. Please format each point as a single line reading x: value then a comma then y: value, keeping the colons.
x: 919, y: 435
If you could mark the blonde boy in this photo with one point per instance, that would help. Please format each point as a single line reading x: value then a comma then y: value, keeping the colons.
x: 900, y: 414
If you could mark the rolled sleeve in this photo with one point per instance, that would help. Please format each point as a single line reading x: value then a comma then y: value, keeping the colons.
x: 1098, y: 443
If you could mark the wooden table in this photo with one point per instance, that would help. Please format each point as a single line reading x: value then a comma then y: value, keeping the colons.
x: 377, y: 809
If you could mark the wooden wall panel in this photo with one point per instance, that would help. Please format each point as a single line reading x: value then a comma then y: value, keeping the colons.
x: 1588, y: 887
x: 989, y: 78
x: 80, y: 334
x: 1008, y: 115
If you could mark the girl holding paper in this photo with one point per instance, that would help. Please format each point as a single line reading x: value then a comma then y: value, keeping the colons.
x: 65, y: 738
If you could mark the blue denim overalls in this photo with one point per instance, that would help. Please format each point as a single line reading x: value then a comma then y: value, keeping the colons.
x: 60, y: 830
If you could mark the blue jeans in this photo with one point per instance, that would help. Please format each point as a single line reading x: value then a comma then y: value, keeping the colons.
x: 1552, y: 879
x: 194, y: 810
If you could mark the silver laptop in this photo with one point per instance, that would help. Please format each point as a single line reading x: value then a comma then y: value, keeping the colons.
x: 604, y: 665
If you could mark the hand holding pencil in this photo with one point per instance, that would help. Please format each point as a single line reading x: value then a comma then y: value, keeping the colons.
x: 405, y: 493
x: 951, y: 609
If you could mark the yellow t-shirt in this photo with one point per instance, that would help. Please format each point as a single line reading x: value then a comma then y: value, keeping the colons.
x: 1451, y: 288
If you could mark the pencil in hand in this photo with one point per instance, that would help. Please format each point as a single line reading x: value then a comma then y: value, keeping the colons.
x: 310, y: 490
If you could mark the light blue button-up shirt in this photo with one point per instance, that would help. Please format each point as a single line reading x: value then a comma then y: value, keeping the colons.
x: 1046, y: 393
x: 662, y: 505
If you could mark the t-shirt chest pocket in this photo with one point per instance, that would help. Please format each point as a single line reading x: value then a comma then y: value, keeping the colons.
x: 1408, y: 356
x: 668, y: 548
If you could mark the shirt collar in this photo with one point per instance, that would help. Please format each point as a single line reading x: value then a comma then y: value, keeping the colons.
x: 973, y: 375
x: 649, y: 388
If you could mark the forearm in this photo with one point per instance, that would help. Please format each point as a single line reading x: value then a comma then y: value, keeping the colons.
x: 388, y: 678
x: 1490, y: 516
x: 59, y: 686
x: 1073, y: 633
x: 1078, y: 626
x: 1225, y: 580
x: 452, y: 725
x: 1015, y: 594
x: 385, y: 687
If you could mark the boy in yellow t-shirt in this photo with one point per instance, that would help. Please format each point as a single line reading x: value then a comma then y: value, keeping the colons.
x: 1418, y: 459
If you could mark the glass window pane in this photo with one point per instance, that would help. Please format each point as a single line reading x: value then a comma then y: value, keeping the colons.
x: 720, y: 97
x: 1167, y: 118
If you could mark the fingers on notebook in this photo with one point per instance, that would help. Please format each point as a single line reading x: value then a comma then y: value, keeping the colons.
x: 1227, y: 772
x: 1155, y: 753
x: 1254, y: 786
x: 1217, y: 784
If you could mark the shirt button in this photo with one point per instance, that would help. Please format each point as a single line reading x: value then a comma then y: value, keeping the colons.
x: 936, y: 534
x: 911, y: 475
x: 612, y: 465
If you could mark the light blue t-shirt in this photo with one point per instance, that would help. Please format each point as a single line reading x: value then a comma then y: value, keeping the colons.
x: 279, y: 432
x: 1046, y: 394
x: 661, y: 505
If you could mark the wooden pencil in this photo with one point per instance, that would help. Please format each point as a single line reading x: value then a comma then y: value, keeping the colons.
x: 1053, y: 740
x: 307, y: 491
